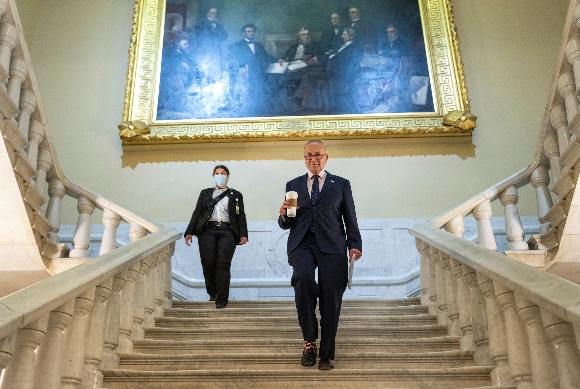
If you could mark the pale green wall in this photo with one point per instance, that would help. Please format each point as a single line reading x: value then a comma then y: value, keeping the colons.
x: 79, y: 52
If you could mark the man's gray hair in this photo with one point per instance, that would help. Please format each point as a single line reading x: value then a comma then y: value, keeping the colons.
x: 303, y: 29
x: 315, y: 142
x: 351, y: 32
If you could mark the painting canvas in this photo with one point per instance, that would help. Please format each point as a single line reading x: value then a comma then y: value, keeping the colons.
x: 252, y: 58
x: 251, y: 70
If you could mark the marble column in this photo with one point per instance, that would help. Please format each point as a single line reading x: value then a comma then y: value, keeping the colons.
x: 540, y: 179
x: 478, y: 318
x: 44, y: 164
x: 56, y: 192
x: 35, y: 137
x: 561, y: 334
x: 560, y: 123
x: 27, y: 107
x: 18, y: 73
x: 8, y: 41
x: 110, y: 358
x: 567, y: 89
x: 127, y: 306
x: 463, y: 306
x: 552, y: 151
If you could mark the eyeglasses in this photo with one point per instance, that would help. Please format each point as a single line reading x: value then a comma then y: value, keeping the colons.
x: 318, y: 157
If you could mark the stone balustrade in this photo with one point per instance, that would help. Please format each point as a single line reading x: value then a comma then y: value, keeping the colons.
x: 28, y: 141
x: 47, y: 344
x: 519, y: 319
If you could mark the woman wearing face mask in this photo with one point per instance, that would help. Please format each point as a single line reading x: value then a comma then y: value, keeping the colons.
x: 218, y: 238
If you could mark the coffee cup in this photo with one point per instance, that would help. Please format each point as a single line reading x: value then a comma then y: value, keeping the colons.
x: 292, y: 198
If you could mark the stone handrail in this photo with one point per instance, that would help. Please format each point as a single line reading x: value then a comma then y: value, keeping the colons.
x: 104, y: 306
x: 521, y: 320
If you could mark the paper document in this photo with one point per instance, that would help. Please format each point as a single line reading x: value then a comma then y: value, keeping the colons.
x: 350, y: 271
x: 298, y: 64
x: 277, y: 68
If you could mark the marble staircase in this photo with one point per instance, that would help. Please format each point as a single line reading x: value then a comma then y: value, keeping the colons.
x: 251, y: 344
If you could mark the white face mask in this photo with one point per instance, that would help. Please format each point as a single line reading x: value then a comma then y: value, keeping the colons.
x: 220, y: 179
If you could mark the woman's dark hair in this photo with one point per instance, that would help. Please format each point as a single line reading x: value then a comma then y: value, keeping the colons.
x: 221, y: 167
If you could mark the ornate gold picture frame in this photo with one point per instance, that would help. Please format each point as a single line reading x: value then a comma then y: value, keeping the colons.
x: 143, y: 124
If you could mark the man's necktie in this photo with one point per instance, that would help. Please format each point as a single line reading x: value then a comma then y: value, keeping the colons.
x: 315, y: 188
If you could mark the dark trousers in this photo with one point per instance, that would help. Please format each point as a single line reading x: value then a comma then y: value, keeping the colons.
x: 216, y: 248
x: 332, y: 280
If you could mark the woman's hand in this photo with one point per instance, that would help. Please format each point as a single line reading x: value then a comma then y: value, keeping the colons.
x: 188, y: 239
x: 243, y: 240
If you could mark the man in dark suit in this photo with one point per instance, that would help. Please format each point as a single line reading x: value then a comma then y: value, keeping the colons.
x: 304, y: 49
x: 209, y: 35
x: 365, y: 30
x: 318, y: 239
x: 331, y: 38
x: 248, y: 61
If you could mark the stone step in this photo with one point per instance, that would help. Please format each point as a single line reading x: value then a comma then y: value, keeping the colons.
x: 245, y: 322
x: 208, y: 310
x: 298, y: 378
x: 343, y: 344
x: 291, y: 303
x: 284, y: 361
x: 359, y: 330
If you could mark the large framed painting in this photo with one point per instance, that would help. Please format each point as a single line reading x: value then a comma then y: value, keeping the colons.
x: 266, y: 70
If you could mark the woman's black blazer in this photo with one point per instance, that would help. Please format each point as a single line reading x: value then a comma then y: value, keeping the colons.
x: 237, y: 221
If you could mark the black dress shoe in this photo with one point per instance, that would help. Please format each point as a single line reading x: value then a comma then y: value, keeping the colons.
x: 324, y: 364
x: 308, y: 357
x: 219, y: 305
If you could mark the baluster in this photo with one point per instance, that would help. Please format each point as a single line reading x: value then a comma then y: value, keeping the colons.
x: 559, y: 122
x: 136, y: 231
x: 496, y: 333
x: 432, y: 286
x: 552, y: 151
x: 482, y: 213
x: 159, y: 275
x: 517, y: 339
x: 18, y: 73
x: 49, y: 354
x: 35, y: 136
x: 463, y: 306
x: 56, y: 192
x: 27, y: 107
x: 8, y: 41
x: 456, y: 227
x: 423, y: 249
x: 513, y: 225
x: 82, y: 238
x: 149, y: 301
x: 567, y: 89
x: 451, y: 297
x: 561, y: 334
x: 74, y: 352
x: 44, y: 164
x: 110, y: 356
x: 479, y: 318
x: 127, y: 303
x: 542, y: 358
x: 440, y: 284
x: 139, y: 300
x: 540, y: 179
x: 111, y: 221
x: 19, y: 374
x: 7, y: 345
x: 573, y: 55
x: 168, y: 301
x: 96, y: 335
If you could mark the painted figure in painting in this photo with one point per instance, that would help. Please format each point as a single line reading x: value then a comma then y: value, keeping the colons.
x: 296, y: 64
x: 248, y: 61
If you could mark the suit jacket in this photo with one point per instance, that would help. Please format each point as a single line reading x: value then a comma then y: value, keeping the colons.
x: 311, y: 49
x: 237, y: 221
x: 240, y: 55
x: 333, y: 216
x: 330, y: 39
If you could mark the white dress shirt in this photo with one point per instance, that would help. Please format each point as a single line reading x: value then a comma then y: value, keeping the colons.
x: 220, y: 211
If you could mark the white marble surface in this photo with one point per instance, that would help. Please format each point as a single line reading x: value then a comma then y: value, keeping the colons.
x: 389, y: 267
